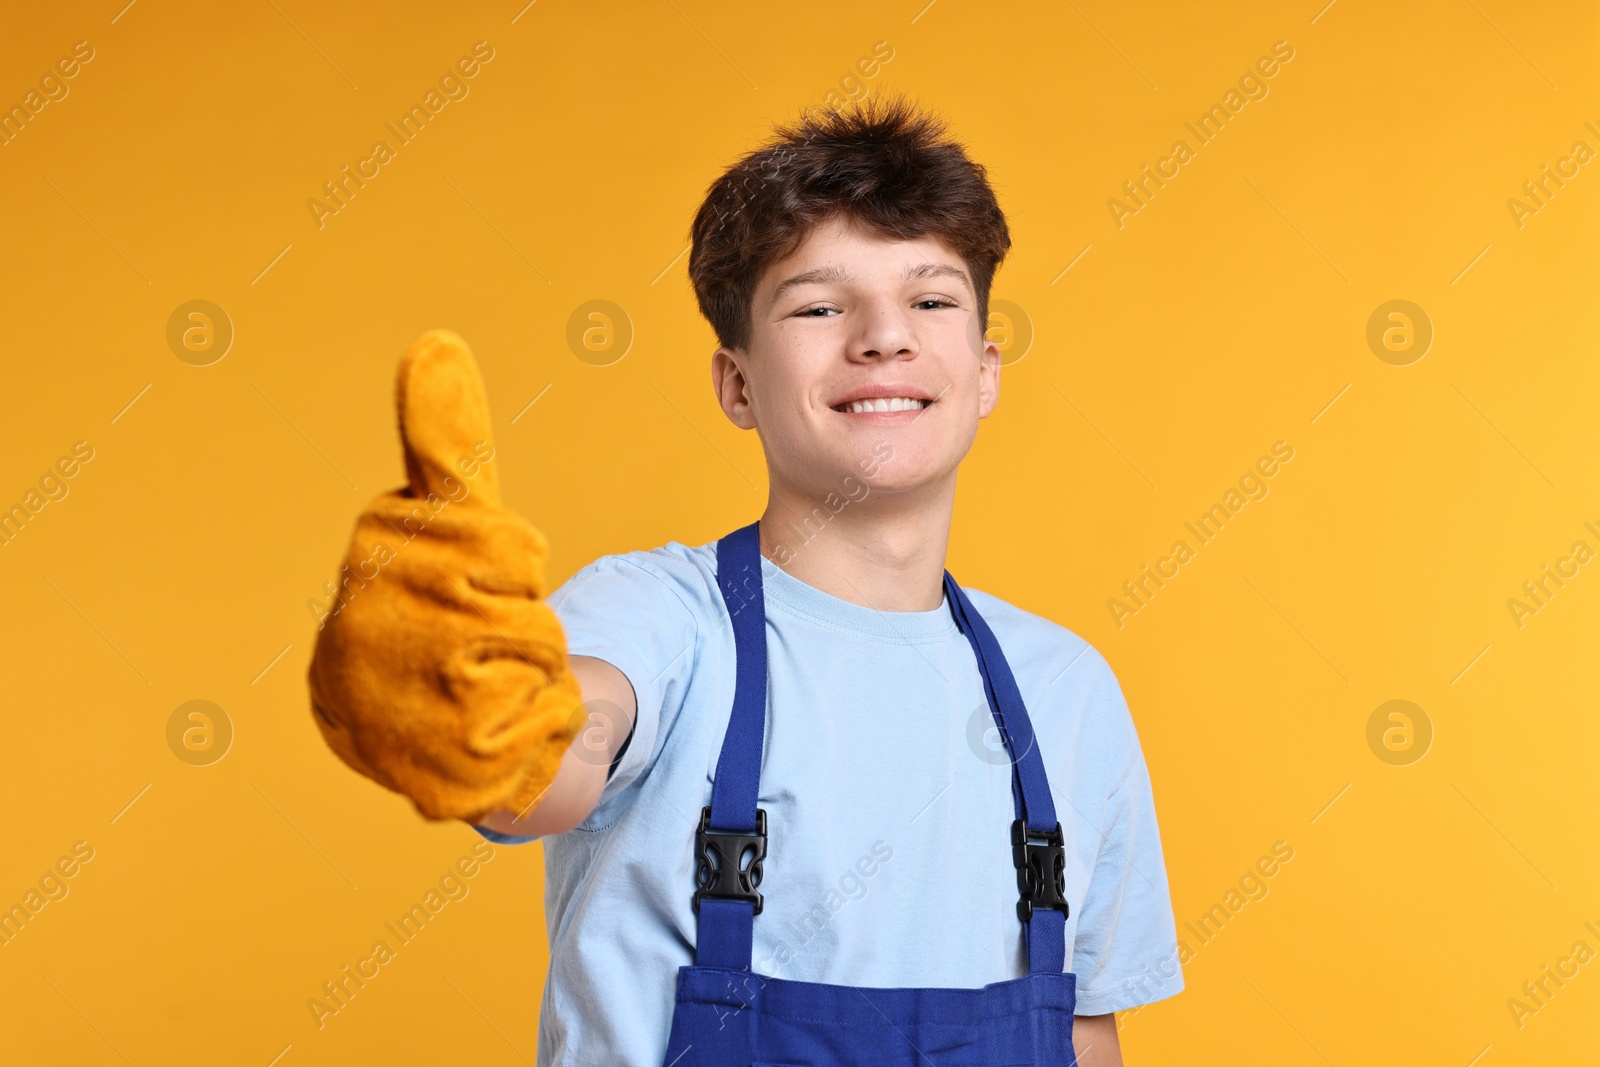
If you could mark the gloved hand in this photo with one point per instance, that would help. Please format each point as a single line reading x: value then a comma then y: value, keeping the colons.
x: 441, y: 673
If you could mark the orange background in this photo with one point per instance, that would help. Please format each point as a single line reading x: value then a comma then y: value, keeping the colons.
x: 1226, y: 315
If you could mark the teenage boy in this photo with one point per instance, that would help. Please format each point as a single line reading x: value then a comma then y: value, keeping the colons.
x: 831, y: 807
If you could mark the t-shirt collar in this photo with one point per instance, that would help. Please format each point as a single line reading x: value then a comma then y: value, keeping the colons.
x: 782, y: 588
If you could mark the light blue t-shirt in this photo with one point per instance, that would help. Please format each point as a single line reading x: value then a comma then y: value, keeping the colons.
x: 888, y: 800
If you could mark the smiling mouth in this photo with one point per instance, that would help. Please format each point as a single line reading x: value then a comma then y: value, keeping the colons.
x: 885, y: 403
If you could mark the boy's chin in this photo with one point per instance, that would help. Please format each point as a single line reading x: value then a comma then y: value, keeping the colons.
x: 900, y: 480
x: 885, y: 468
x: 904, y: 487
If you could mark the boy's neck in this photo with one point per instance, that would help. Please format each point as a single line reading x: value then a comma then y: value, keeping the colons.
x: 884, y: 551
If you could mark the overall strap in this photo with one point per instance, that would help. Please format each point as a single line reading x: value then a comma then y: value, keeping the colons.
x: 732, y: 828
x: 730, y: 825
x: 1041, y: 867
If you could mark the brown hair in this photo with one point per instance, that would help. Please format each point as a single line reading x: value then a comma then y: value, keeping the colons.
x: 882, y: 162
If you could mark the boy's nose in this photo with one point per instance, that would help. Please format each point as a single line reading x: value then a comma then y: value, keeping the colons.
x: 885, y: 332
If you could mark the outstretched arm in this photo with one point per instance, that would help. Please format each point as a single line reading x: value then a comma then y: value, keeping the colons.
x: 578, y: 784
x: 441, y: 672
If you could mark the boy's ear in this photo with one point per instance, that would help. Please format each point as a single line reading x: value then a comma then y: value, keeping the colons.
x: 731, y: 386
x: 988, y: 377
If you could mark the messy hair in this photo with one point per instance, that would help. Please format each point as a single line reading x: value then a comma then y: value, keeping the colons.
x: 882, y: 162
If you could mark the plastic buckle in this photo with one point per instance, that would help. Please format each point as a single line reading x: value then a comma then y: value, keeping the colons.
x: 1041, y: 869
x: 720, y: 872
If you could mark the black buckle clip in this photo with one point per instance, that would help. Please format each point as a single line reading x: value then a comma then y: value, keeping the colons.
x: 1041, y: 869
x: 720, y: 872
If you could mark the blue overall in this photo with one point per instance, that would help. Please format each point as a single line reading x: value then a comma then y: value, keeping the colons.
x: 726, y: 1015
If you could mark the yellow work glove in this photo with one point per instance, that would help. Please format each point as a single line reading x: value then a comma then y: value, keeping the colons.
x: 441, y: 673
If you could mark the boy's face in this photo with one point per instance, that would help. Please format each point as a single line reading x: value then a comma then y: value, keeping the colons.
x: 852, y: 315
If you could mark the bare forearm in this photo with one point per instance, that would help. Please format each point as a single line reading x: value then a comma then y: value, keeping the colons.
x: 577, y: 786
x: 1094, y: 1039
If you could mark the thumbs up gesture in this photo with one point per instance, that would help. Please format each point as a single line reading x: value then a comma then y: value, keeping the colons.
x: 441, y: 673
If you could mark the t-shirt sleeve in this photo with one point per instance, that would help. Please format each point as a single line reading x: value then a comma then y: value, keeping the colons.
x: 1126, y: 950
x: 637, y: 620
x: 501, y: 838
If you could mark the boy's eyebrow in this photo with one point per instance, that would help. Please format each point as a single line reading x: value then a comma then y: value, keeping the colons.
x: 835, y: 273
x: 831, y: 273
x: 939, y: 270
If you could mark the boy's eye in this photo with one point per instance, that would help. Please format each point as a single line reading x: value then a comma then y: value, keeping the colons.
x: 934, y: 301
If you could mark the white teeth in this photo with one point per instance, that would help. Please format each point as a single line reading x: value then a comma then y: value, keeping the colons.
x: 892, y: 403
